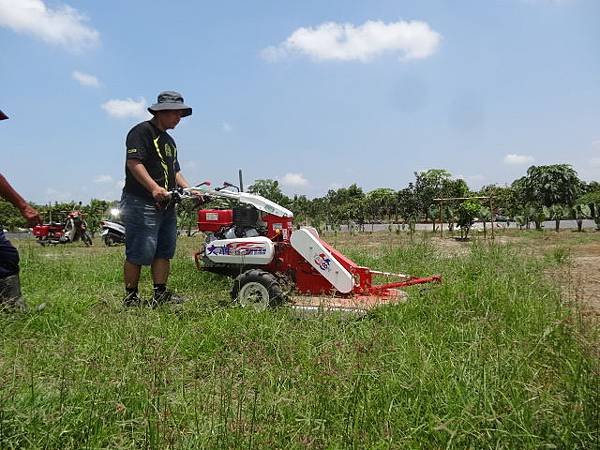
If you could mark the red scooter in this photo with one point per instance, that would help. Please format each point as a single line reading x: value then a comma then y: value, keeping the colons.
x: 73, y: 229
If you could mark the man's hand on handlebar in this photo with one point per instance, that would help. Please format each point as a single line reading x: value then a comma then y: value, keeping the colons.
x: 199, y: 198
x: 161, y: 195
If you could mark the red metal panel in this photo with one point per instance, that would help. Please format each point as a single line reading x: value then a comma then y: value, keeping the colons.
x: 213, y: 220
x: 306, y: 279
x: 278, y: 226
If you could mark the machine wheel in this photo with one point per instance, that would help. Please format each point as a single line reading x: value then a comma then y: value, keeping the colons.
x: 108, y: 240
x: 257, y: 289
x: 86, y: 238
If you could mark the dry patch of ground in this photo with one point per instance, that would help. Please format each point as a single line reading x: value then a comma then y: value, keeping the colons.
x: 585, y: 278
x: 586, y: 281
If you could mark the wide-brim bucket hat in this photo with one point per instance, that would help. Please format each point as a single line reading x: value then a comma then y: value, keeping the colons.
x: 3, y: 116
x: 168, y: 101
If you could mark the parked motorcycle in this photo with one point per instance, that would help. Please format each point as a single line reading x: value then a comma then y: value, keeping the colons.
x: 73, y: 229
x: 50, y: 232
x: 112, y: 232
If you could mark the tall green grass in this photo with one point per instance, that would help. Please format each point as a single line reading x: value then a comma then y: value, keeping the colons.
x: 488, y: 359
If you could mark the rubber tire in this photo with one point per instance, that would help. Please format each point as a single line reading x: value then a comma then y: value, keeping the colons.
x: 108, y: 240
x: 86, y: 238
x: 258, y: 278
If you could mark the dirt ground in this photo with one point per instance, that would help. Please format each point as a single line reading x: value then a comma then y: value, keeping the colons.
x: 584, y: 280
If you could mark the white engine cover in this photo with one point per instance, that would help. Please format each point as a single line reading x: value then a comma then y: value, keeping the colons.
x: 257, y: 250
x: 259, y: 202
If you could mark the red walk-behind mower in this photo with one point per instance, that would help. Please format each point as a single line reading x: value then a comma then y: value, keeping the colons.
x: 272, y: 262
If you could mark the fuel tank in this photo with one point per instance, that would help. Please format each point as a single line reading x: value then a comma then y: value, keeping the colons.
x: 257, y: 250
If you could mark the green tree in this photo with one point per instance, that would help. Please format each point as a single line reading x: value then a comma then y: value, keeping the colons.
x: 455, y: 188
x: 485, y: 215
x: 503, y: 199
x: 436, y: 183
x: 187, y: 215
x: 467, y: 211
x: 269, y: 189
x: 592, y: 201
x: 556, y: 184
x: 382, y: 203
x: 301, y: 207
x: 10, y: 217
x: 556, y: 212
x: 522, y: 206
x: 317, y: 213
x: 408, y: 206
x: 430, y: 184
x: 94, y: 213
x: 580, y: 211
x: 344, y: 205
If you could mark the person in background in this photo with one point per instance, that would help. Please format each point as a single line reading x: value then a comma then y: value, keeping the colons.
x: 151, y: 171
x: 10, y: 285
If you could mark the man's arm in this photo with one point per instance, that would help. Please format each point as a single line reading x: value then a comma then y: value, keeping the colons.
x: 7, y: 192
x: 181, y: 181
x: 137, y: 168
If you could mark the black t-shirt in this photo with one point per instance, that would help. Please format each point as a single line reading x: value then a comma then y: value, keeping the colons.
x: 157, y: 151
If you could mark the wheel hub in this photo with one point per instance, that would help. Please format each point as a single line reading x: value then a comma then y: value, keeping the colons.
x: 254, y: 295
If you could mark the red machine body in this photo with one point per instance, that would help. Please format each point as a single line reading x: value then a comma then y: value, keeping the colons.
x: 321, y: 276
x: 278, y: 227
x: 213, y: 220
x: 289, y: 262
x: 309, y: 281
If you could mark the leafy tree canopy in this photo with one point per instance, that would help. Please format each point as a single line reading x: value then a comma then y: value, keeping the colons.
x: 269, y: 189
x: 553, y: 184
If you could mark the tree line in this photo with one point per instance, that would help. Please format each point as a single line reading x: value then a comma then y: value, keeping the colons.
x: 551, y: 192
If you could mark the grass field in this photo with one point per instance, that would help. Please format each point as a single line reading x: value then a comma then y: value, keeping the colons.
x: 492, y: 358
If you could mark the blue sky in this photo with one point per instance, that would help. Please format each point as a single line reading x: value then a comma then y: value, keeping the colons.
x: 316, y: 94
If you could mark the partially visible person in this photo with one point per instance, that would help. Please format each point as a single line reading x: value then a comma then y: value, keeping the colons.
x: 10, y: 285
x: 151, y: 171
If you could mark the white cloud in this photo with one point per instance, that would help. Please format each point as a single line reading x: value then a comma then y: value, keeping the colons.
x: 103, y: 179
x: 85, y: 79
x: 596, y: 143
x: 227, y: 128
x: 294, y: 180
x: 63, y: 26
x: 346, y: 42
x: 127, y: 108
x: 513, y: 159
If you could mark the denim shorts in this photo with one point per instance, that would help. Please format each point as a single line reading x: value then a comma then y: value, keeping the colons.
x: 150, y: 233
x: 9, y: 257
